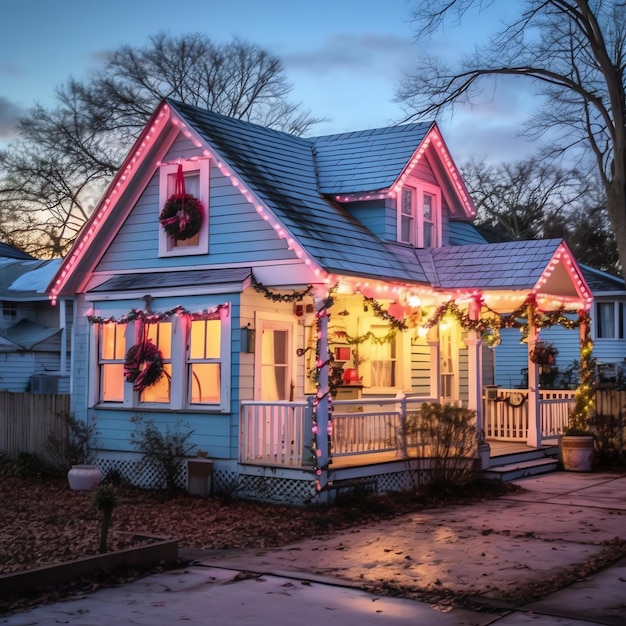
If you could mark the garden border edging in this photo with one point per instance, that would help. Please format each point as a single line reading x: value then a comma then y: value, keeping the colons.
x: 162, y: 550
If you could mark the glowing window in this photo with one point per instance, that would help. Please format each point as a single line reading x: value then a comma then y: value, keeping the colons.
x: 204, y: 362
x: 112, y: 349
x: 161, y: 336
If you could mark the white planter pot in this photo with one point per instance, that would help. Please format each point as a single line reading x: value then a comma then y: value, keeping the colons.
x: 577, y: 453
x: 84, y: 477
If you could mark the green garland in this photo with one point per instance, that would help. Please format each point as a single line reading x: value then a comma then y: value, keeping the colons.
x: 385, y: 315
x: 296, y: 296
x: 153, y: 318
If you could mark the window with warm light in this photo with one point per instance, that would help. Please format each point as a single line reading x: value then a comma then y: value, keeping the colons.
x: 161, y: 336
x: 204, y: 362
x: 609, y: 320
x: 196, y: 174
x: 195, y: 357
x: 112, y: 349
x: 419, y: 215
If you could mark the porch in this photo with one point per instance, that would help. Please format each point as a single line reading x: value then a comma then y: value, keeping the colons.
x: 368, y: 431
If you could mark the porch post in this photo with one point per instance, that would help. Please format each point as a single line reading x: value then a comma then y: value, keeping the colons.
x: 321, y: 402
x: 533, y: 438
x: 475, y: 369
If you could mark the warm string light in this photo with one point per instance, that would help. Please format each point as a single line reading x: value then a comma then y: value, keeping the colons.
x: 113, y: 194
x: 149, y: 317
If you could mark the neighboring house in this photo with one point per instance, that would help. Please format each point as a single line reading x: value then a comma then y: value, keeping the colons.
x: 34, y: 339
x: 339, y: 243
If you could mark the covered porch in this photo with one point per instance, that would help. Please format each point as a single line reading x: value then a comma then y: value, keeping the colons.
x: 368, y: 432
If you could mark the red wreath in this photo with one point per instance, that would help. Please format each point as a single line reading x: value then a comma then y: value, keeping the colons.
x: 143, y: 365
x: 182, y: 214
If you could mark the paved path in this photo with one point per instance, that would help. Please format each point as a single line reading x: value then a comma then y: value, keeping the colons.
x: 498, y: 550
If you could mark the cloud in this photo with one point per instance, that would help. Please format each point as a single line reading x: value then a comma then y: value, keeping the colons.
x: 10, y: 114
x: 381, y: 55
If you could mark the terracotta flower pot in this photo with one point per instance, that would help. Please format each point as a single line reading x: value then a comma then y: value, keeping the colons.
x: 577, y: 452
x: 84, y: 477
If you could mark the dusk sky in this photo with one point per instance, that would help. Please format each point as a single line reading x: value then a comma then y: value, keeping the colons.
x: 343, y: 57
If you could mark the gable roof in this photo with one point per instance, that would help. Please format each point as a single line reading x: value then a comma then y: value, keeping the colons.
x: 11, y: 252
x: 281, y: 170
x: 367, y: 160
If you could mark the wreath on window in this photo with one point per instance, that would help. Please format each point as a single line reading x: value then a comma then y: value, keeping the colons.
x: 143, y: 365
x: 182, y: 214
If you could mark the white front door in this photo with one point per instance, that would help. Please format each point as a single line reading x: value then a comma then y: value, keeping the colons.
x: 273, y: 369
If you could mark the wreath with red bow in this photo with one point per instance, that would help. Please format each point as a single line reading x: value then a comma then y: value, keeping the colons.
x: 143, y: 365
x: 182, y: 214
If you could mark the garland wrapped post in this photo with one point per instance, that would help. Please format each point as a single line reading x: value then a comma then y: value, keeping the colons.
x: 182, y: 214
x: 584, y: 396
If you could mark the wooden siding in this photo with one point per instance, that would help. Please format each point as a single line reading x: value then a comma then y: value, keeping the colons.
x: 420, y: 368
x: 16, y: 368
x: 377, y: 215
x: 215, y: 432
x: 237, y: 235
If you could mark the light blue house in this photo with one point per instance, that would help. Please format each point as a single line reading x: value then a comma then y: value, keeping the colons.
x: 291, y: 267
x: 34, y: 335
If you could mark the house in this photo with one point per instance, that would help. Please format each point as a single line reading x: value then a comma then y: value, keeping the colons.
x: 34, y: 335
x: 232, y: 274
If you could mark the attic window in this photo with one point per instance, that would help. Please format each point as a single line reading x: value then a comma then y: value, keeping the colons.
x: 419, y: 215
x: 196, y: 175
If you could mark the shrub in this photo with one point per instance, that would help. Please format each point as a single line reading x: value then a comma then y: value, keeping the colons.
x: 164, y: 451
x: 76, y: 445
x: 446, y: 436
x: 105, y: 500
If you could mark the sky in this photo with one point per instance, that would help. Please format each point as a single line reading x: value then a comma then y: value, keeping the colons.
x: 344, y: 58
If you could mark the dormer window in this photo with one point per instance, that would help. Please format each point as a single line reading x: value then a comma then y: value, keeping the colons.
x: 419, y: 222
x: 196, y: 175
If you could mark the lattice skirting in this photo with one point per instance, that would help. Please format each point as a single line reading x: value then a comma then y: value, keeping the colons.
x: 264, y: 486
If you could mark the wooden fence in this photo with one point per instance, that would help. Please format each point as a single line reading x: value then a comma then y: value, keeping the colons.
x: 28, y: 419
x: 611, y: 402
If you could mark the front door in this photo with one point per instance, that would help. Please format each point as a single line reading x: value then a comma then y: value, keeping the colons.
x: 273, y: 375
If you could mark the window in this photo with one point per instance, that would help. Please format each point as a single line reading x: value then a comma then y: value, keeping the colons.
x: 418, y: 217
x: 196, y: 362
x: 112, y: 349
x: 161, y: 336
x: 9, y: 310
x: 203, y: 362
x: 609, y: 320
x: 197, y: 184
x: 383, y: 358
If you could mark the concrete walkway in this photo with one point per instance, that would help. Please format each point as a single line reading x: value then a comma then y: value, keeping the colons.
x: 496, y: 553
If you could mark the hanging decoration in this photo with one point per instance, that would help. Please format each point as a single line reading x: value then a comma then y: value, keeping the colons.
x: 380, y: 312
x: 149, y: 317
x: 182, y: 214
x: 143, y: 365
x: 296, y: 296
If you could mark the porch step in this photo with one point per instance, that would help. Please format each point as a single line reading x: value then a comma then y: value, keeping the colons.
x: 521, y: 469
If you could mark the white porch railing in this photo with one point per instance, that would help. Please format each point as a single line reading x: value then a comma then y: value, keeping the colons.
x: 279, y: 433
x: 506, y: 422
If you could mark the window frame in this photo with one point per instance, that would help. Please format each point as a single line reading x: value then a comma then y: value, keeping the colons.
x: 402, y: 348
x: 418, y: 191
x: 167, y: 180
x: 180, y: 399
x: 618, y: 318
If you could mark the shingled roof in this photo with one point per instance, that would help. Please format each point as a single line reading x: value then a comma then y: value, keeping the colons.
x: 281, y: 170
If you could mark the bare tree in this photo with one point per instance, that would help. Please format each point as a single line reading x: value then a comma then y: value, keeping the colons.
x: 52, y: 176
x: 534, y: 200
x: 573, y: 51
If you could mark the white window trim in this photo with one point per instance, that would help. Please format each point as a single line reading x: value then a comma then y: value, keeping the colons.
x: 616, y: 320
x: 178, y: 393
x: 417, y: 233
x: 201, y: 166
x: 403, y: 368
